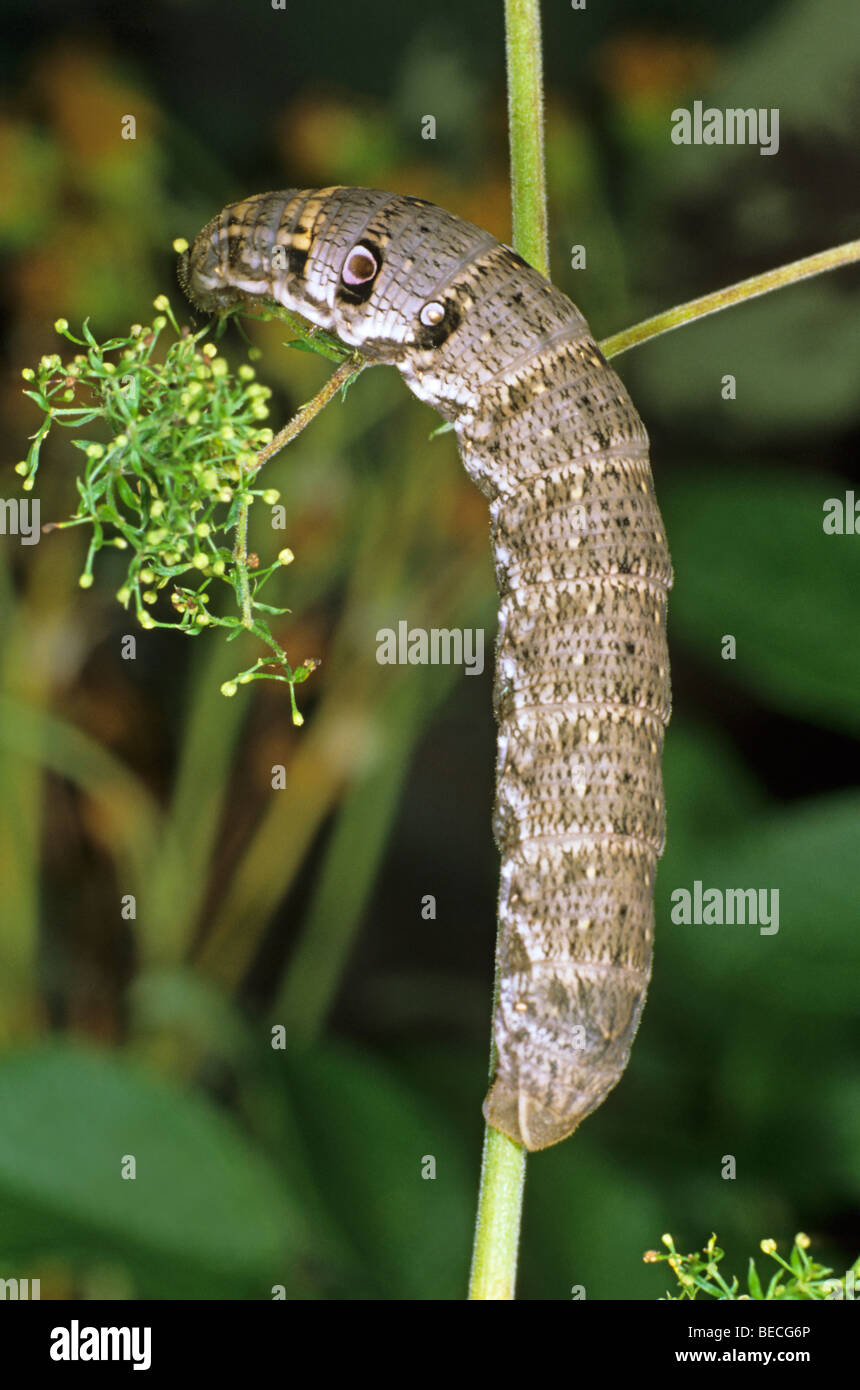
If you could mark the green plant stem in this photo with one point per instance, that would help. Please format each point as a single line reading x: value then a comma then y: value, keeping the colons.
x: 733, y: 294
x: 240, y: 555
x: 497, y: 1233
x: 503, y: 1167
x: 345, y: 373
x: 525, y: 127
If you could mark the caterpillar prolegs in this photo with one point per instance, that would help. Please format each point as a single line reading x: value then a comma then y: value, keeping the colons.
x: 548, y: 433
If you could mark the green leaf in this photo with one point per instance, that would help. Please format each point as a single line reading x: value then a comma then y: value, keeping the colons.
x: 752, y: 560
x: 753, y: 1281
x: 367, y: 1137
x: 267, y: 607
x: 201, y: 1194
x: 131, y: 499
x: 808, y: 853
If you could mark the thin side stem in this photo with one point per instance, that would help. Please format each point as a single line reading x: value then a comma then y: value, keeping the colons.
x: 346, y: 372
x: 240, y: 555
x: 733, y: 294
x: 503, y: 1167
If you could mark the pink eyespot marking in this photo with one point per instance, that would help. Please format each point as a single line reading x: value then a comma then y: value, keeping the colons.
x: 359, y: 267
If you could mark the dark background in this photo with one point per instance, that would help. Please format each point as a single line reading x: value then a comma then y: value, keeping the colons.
x: 302, y: 907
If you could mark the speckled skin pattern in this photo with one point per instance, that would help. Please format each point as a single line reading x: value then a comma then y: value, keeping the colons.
x: 548, y: 433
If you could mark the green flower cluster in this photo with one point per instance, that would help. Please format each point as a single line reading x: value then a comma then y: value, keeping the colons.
x: 797, y: 1278
x: 171, y: 480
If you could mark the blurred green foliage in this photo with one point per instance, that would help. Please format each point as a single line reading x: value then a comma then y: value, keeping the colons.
x: 303, y: 1166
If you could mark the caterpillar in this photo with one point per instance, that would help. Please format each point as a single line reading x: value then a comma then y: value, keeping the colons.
x: 581, y: 695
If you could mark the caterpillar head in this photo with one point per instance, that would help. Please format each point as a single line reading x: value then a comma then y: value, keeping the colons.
x: 394, y: 277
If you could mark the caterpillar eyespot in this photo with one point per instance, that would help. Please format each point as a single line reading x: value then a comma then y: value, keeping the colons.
x: 432, y: 313
x: 548, y: 433
x: 360, y: 266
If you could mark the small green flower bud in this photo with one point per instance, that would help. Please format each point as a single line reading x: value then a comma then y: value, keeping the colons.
x: 229, y: 688
x: 270, y: 496
x: 86, y: 581
x: 286, y: 556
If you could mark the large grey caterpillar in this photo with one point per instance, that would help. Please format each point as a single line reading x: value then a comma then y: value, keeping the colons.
x: 547, y: 431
